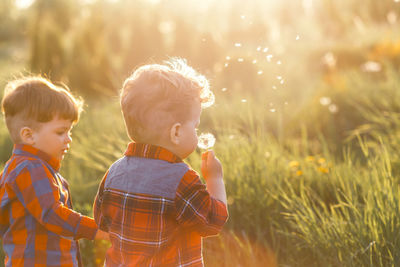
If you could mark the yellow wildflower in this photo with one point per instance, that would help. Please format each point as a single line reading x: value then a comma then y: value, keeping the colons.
x: 323, y: 170
x: 294, y: 164
x: 321, y: 161
x: 310, y: 158
x: 299, y: 173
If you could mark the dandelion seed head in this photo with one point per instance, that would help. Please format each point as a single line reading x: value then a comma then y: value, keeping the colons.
x: 254, y: 61
x: 238, y: 44
x: 297, y: 37
x: 224, y: 89
x: 265, y: 50
x: 227, y: 57
x: 259, y: 72
x: 206, y: 141
x: 244, y: 100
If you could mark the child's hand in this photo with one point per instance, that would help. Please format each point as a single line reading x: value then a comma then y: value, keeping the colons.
x: 211, y: 167
x: 102, y: 235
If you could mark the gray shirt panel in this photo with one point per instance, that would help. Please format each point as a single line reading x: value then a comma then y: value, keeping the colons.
x: 145, y: 176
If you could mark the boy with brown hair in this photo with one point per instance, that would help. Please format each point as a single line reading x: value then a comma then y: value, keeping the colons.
x: 37, y: 224
x: 153, y: 205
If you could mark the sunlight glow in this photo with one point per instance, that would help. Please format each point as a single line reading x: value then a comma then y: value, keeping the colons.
x: 22, y: 4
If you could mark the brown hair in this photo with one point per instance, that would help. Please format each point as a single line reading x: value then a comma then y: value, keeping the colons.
x: 157, y: 95
x: 30, y: 100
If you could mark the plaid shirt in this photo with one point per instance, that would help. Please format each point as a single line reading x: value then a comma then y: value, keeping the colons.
x: 37, y: 224
x: 156, y: 210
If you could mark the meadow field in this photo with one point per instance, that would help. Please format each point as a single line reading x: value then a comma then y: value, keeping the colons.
x: 306, y: 118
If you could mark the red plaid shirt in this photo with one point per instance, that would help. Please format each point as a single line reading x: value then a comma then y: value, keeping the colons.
x: 37, y: 224
x: 156, y: 210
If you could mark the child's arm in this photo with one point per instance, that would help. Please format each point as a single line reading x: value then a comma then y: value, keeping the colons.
x: 98, y: 216
x: 36, y: 189
x: 202, y: 210
x: 212, y: 172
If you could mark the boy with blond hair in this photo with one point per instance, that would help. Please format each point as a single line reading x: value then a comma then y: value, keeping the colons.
x: 37, y: 224
x: 153, y: 205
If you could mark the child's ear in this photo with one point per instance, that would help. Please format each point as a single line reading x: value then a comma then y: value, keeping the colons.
x: 175, y: 133
x: 26, y: 135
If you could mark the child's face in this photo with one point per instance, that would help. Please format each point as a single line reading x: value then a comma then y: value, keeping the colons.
x: 53, y: 137
x: 188, y: 139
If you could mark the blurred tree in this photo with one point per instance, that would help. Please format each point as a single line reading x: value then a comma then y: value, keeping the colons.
x: 7, y: 25
x: 89, y: 67
x: 50, y: 21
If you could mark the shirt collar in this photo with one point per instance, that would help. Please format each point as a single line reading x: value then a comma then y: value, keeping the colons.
x: 27, y: 150
x: 151, y: 152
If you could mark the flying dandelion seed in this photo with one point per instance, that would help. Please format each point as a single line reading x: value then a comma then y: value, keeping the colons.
x: 297, y: 37
x: 226, y: 65
x: 272, y: 110
x: 206, y: 141
x: 260, y: 72
x: 371, y: 66
x: 265, y: 50
x: 274, y: 87
x: 244, y: 100
x: 259, y: 48
x: 238, y: 44
x: 242, y: 16
x: 325, y: 101
x: 333, y: 108
x: 240, y: 59
x: 329, y: 59
x: 227, y: 57
x: 282, y: 81
x: 279, y: 77
x: 269, y: 57
x: 224, y: 89
x: 254, y: 61
x: 279, y: 62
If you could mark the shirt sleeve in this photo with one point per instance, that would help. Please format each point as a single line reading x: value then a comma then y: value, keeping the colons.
x: 98, y: 215
x: 195, y: 207
x: 38, y: 191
